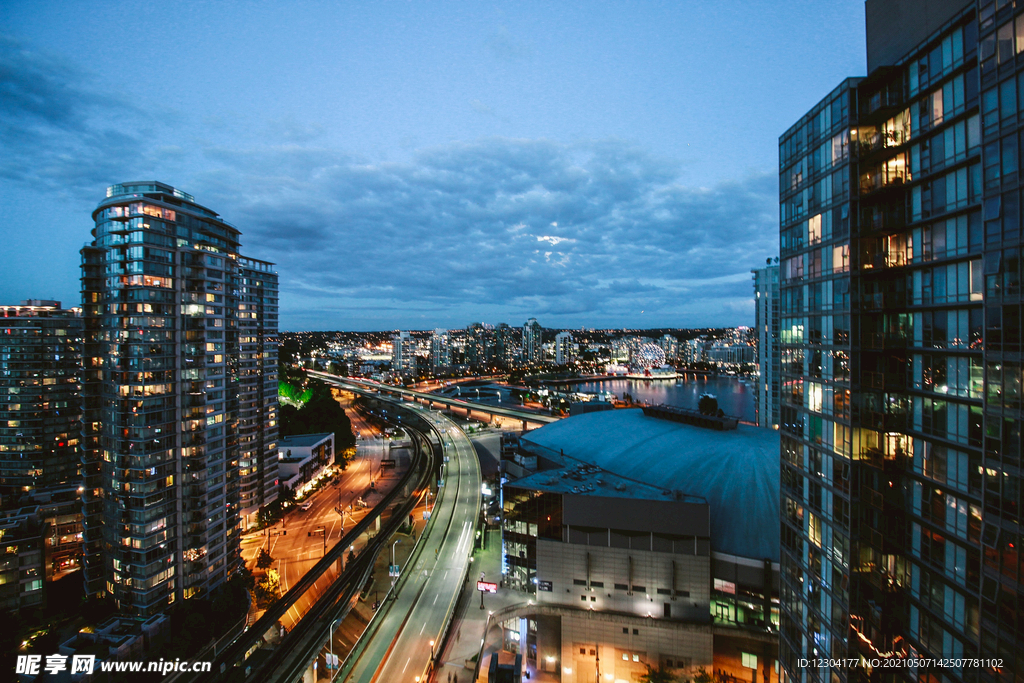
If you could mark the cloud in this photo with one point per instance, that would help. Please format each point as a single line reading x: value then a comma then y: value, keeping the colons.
x: 60, y: 132
x: 450, y: 230
x: 497, y: 229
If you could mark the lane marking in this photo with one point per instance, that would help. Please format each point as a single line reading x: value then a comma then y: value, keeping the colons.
x: 406, y: 664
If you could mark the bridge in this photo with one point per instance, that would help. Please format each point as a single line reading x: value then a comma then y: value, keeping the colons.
x: 454, y: 405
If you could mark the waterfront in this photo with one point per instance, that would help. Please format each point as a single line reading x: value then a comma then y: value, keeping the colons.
x: 734, y: 396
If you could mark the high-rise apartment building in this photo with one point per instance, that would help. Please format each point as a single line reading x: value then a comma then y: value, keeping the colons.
x: 766, y: 316
x: 670, y: 345
x: 440, y: 351
x: 507, y: 345
x: 533, y: 351
x: 565, y: 350
x: 40, y: 404
x: 256, y: 283
x: 901, y: 351
x: 176, y: 378
x: 402, y: 352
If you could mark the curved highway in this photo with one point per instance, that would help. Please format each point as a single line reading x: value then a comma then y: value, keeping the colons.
x: 400, y: 649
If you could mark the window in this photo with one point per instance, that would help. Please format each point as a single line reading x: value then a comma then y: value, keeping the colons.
x: 749, y: 661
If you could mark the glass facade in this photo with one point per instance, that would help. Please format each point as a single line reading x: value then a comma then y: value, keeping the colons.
x: 766, y: 324
x: 168, y: 395
x: 40, y: 412
x: 901, y: 360
x: 257, y: 376
x: 527, y: 516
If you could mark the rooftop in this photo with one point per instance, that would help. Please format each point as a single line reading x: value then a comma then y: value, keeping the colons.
x: 302, y: 440
x: 583, y: 479
x: 736, y: 471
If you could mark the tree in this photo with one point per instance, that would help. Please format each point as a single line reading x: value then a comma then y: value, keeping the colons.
x: 659, y: 675
x: 702, y: 676
x: 321, y: 413
x: 708, y: 404
x: 267, y: 590
x: 264, y: 559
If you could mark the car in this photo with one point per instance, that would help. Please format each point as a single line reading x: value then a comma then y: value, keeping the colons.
x: 305, y: 506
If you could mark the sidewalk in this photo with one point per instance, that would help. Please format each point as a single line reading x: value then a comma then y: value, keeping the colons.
x: 467, y: 629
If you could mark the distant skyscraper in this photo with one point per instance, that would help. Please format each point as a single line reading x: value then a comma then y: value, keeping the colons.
x: 533, y: 352
x: 564, y: 349
x: 175, y: 380
x: 40, y: 403
x: 507, y: 344
x: 402, y: 357
x: 440, y: 352
x: 766, y: 315
x: 693, y: 350
x: 670, y: 345
x: 901, y: 351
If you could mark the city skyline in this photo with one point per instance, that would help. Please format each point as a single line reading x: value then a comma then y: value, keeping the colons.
x: 415, y: 169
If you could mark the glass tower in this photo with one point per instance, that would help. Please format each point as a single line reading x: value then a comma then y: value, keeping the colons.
x: 40, y: 412
x: 901, y: 356
x: 179, y: 342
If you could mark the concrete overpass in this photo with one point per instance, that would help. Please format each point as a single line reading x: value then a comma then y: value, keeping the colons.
x: 456, y: 406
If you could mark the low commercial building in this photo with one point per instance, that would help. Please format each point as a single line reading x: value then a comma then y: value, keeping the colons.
x: 303, y: 458
x: 644, y: 539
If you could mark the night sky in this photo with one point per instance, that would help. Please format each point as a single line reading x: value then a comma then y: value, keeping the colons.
x: 426, y: 164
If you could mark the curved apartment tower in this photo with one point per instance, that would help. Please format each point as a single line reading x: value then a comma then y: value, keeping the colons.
x: 180, y: 400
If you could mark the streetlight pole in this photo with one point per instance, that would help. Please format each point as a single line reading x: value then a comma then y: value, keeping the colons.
x: 330, y: 640
x: 393, y: 578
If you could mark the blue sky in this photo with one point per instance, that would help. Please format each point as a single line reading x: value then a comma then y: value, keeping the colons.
x: 426, y: 164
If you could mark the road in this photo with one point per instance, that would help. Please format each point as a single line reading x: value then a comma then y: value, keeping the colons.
x: 296, y: 551
x: 401, y: 647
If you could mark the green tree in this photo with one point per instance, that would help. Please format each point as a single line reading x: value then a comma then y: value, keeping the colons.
x: 267, y: 590
x: 659, y: 675
x: 264, y: 559
x: 320, y: 414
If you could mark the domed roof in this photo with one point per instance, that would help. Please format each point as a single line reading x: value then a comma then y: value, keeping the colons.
x: 736, y: 471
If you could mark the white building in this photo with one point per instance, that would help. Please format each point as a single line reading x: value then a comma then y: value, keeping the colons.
x: 302, y: 458
x: 670, y: 345
x: 440, y: 349
x: 533, y: 351
x: 402, y: 352
x: 565, y: 350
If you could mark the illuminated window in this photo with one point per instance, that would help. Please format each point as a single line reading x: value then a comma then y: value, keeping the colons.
x: 814, y: 229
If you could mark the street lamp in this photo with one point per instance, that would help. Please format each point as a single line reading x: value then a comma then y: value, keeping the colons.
x: 330, y: 640
x: 431, y: 651
x: 393, y: 560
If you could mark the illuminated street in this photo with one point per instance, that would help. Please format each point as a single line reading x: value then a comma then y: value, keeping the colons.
x: 401, y: 647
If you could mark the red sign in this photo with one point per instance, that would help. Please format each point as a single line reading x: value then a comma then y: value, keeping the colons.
x: 485, y: 587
